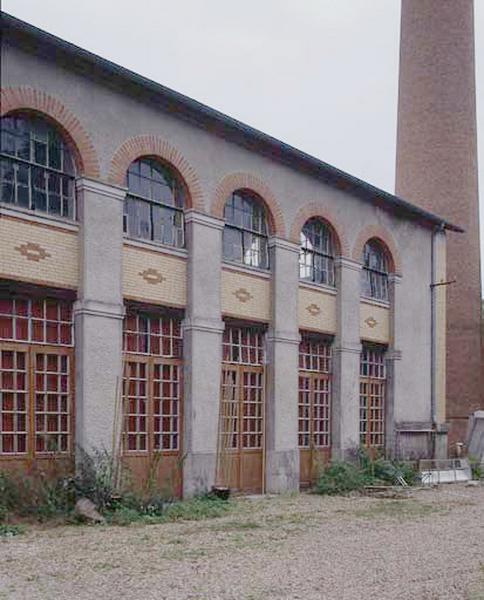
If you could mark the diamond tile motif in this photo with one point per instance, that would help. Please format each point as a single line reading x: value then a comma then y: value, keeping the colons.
x: 33, y: 251
x: 313, y: 309
x: 243, y: 295
x: 152, y: 276
x: 371, y: 322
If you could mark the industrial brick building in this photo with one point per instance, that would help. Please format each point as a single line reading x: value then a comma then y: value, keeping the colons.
x: 208, y: 294
x: 437, y: 169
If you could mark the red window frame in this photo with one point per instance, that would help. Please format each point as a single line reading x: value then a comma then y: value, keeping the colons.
x: 372, y: 397
x: 152, y: 382
x: 36, y: 376
x: 314, y: 402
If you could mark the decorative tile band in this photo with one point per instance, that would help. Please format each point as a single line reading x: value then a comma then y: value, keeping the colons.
x: 243, y: 295
x: 152, y: 276
x: 33, y: 251
x: 371, y: 322
x: 313, y: 309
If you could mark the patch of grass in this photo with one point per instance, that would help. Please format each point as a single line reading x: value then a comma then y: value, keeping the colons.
x: 397, y: 509
x: 203, y: 507
x: 237, y: 525
x: 9, y: 531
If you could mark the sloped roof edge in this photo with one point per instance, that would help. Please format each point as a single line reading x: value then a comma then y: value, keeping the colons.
x: 74, y: 57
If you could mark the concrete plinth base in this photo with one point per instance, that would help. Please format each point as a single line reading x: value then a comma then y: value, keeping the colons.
x: 475, y: 436
x: 198, y: 474
x: 282, y: 471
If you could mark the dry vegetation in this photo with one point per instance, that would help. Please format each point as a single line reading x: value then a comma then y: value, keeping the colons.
x: 430, y: 546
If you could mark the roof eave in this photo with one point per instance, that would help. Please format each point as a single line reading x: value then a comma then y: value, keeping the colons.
x: 222, y: 124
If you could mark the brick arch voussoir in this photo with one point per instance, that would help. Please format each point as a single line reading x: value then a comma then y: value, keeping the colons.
x: 379, y: 232
x: 315, y: 209
x: 150, y: 145
x: 30, y: 99
x: 248, y: 181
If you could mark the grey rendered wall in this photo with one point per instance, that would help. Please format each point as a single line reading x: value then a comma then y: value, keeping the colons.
x: 111, y: 118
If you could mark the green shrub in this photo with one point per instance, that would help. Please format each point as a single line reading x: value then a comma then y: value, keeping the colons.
x: 123, y: 516
x: 8, y: 531
x: 477, y: 469
x: 37, y: 495
x: 95, y: 478
x: 342, y: 478
x: 345, y: 477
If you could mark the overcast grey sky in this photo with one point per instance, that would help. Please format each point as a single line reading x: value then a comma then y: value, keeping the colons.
x: 321, y: 75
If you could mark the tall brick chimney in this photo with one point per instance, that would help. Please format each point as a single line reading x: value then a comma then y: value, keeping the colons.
x: 437, y: 169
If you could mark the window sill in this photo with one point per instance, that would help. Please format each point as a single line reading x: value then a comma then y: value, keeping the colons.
x: 37, y: 217
x: 153, y: 246
x: 375, y: 302
x: 320, y: 287
x: 239, y: 268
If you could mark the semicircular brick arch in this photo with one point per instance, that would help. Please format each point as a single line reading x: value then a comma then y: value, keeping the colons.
x: 151, y: 145
x: 314, y: 210
x: 247, y: 181
x: 30, y: 99
x: 383, y: 235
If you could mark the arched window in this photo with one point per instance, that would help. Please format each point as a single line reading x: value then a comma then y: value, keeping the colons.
x: 245, y: 237
x: 37, y: 169
x: 374, y: 277
x: 155, y: 202
x: 316, y: 258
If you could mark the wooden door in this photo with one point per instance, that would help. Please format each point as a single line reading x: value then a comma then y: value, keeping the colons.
x: 314, y: 407
x: 241, y: 430
x: 314, y: 425
x: 152, y: 391
x: 372, y: 399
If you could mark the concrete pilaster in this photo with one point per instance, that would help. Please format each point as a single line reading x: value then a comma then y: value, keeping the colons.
x: 395, y: 391
x: 203, y: 329
x: 98, y: 314
x: 282, y: 453
x: 346, y: 363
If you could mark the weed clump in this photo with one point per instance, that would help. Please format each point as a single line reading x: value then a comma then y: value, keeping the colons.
x: 342, y: 477
x: 47, y: 494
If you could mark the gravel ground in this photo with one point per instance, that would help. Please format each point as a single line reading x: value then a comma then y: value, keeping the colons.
x: 429, y: 546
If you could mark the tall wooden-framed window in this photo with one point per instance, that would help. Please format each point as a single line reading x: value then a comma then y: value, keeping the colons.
x: 374, y: 275
x: 245, y: 235
x: 37, y: 169
x: 152, y: 382
x: 242, y: 408
x: 317, y: 253
x: 36, y: 376
x: 315, y: 368
x: 372, y: 397
x: 155, y: 203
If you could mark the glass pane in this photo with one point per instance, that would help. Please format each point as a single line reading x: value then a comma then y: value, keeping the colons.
x: 55, y: 154
x: 7, y: 192
x: 232, y: 244
x: 144, y: 219
x: 40, y: 153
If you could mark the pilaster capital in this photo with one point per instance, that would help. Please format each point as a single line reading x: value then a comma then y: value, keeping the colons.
x: 347, y: 348
x: 206, y: 325
x: 94, y: 308
x: 282, y: 244
x: 342, y: 262
x: 115, y: 192
x: 394, y: 278
x: 279, y: 336
x: 393, y: 354
x: 199, y: 218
